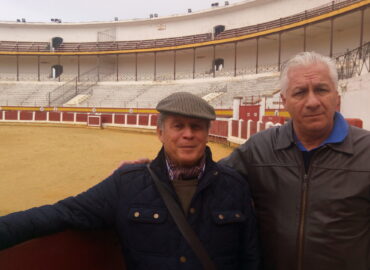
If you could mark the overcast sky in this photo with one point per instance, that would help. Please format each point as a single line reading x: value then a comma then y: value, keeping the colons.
x: 97, y: 10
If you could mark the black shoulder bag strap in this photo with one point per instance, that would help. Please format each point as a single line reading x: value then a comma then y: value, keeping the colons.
x: 180, y: 220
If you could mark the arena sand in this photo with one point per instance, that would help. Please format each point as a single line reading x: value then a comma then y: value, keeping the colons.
x: 41, y: 164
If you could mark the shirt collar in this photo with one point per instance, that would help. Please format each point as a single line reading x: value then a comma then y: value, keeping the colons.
x: 180, y: 173
x: 337, y: 135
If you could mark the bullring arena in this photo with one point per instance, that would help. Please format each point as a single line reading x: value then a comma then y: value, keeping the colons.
x: 42, y: 164
x: 78, y: 98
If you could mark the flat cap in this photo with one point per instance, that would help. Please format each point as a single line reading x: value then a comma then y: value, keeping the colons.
x: 186, y: 104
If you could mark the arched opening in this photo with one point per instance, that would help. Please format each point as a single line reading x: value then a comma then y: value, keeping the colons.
x: 218, y: 29
x: 56, y: 71
x: 218, y: 64
x: 56, y: 42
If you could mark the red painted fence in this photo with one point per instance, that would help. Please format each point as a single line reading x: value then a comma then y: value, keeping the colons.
x: 222, y: 130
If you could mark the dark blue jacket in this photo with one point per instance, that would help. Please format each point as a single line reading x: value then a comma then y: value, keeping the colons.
x: 222, y: 217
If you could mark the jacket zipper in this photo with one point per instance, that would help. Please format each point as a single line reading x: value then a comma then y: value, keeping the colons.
x: 302, y: 221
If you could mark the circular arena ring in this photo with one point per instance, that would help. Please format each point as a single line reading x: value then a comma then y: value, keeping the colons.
x: 43, y: 164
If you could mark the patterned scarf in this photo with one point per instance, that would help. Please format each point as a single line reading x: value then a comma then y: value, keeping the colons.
x: 184, y: 173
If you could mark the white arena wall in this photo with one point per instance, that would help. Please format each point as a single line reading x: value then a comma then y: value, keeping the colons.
x: 235, y: 15
x: 260, y: 53
x: 355, y: 99
x: 332, y: 36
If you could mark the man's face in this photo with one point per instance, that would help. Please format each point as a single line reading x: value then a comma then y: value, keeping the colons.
x: 311, y: 99
x: 184, y: 139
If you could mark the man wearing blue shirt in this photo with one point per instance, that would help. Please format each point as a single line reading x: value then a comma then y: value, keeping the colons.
x: 310, y: 178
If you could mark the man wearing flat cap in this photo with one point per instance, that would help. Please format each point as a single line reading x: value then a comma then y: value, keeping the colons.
x: 214, y: 201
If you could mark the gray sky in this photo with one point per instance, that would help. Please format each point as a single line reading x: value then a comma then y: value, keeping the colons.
x: 97, y: 10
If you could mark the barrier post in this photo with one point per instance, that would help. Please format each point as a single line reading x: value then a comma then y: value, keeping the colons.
x: 249, y: 128
x: 230, y: 127
x: 240, y: 128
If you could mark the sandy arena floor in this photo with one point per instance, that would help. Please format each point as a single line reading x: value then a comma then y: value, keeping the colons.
x: 41, y: 165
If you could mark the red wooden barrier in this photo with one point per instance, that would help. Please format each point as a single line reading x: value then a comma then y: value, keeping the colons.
x: 11, y: 115
x: 144, y: 119
x: 40, y: 116
x: 107, y: 118
x: 68, y: 117
x: 249, y: 112
x: 244, y: 129
x: 253, y: 127
x: 54, y: 116
x: 81, y: 117
x: 25, y: 115
x: 131, y: 119
x: 234, y: 128
x: 154, y: 120
x: 355, y: 122
x: 94, y: 120
x: 69, y: 250
x: 119, y: 119
x: 219, y: 128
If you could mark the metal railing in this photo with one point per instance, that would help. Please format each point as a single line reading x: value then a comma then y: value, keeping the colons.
x: 174, y: 41
x: 304, y: 15
x: 72, y: 88
x: 354, y: 63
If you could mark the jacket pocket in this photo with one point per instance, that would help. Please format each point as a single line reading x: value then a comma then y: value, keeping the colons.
x: 147, y: 215
x: 228, y: 216
x: 148, y: 229
x: 227, y: 231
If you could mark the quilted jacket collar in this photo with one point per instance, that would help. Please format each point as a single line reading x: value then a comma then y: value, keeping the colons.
x: 160, y: 167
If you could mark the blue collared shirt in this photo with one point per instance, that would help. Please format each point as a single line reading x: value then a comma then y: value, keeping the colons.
x: 337, y: 135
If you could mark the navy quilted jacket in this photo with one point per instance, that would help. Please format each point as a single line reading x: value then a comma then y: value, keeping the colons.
x: 128, y: 201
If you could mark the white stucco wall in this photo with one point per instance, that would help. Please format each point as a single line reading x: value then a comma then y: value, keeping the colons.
x: 235, y: 15
x: 355, y: 99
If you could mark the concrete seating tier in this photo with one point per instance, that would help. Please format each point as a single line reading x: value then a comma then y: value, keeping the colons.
x: 219, y: 92
x: 147, y: 95
x: 25, y: 93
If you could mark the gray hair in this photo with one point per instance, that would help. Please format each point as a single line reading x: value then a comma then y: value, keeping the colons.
x: 160, y: 120
x: 306, y: 59
x: 162, y: 117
